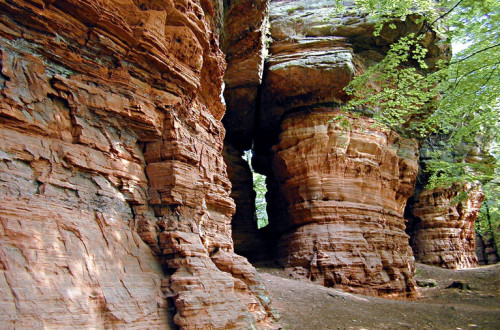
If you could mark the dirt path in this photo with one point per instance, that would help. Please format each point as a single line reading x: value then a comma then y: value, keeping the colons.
x: 303, y: 305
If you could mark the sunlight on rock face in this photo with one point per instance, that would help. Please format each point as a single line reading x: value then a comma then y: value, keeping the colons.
x: 124, y: 200
x: 113, y: 117
x: 74, y: 293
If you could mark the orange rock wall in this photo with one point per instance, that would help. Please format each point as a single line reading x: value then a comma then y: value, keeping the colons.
x: 345, y: 188
x: 442, y: 229
x: 115, y: 200
x: 338, y: 184
x: 111, y: 138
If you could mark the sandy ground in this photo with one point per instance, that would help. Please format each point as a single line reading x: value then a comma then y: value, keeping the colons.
x: 303, y: 305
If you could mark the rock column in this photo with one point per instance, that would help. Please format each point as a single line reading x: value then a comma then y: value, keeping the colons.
x: 345, y: 184
x: 339, y: 183
x: 442, y: 229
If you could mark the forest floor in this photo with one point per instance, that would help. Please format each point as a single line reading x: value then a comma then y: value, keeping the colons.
x: 303, y: 305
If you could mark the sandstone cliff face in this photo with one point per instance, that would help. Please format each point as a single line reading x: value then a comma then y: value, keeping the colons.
x: 345, y: 190
x: 111, y: 138
x: 315, y: 53
x: 442, y: 230
x: 338, y: 190
x: 115, y: 200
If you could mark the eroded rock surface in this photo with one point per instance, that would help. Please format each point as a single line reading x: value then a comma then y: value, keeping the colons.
x: 246, y: 24
x: 315, y: 52
x: 442, y: 227
x: 345, y: 184
x: 338, y: 185
x: 115, y: 200
x: 111, y: 137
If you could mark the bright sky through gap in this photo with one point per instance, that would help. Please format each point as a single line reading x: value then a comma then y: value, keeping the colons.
x: 458, y: 46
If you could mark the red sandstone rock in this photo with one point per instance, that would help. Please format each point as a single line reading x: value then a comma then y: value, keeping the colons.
x: 443, y: 231
x: 315, y: 53
x: 110, y: 132
x: 345, y: 188
x: 338, y: 189
x: 244, y: 40
x: 246, y: 24
x: 75, y: 267
x: 110, y: 125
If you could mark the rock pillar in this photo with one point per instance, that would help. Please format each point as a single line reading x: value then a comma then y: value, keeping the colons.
x: 345, y: 183
x: 442, y: 229
x: 339, y: 184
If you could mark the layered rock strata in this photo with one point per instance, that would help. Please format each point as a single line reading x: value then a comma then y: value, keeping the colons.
x: 442, y: 227
x: 110, y: 118
x: 338, y: 190
x: 486, y: 251
x: 315, y: 52
x: 345, y: 184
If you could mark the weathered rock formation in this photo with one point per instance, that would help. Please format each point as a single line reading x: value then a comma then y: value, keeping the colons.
x: 485, y: 250
x: 110, y: 125
x: 345, y: 188
x: 243, y: 43
x: 115, y: 200
x: 442, y: 220
x: 442, y: 227
x: 338, y: 184
x: 315, y: 53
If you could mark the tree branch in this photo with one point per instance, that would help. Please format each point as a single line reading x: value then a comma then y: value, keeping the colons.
x: 475, y: 53
x: 447, y: 13
x: 428, y: 27
x: 474, y: 70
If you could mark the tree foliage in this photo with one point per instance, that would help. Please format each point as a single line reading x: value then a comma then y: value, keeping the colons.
x: 453, y: 108
x: 397, y: 92
x: 260, y: 188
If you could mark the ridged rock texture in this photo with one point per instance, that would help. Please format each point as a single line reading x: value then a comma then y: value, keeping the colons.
x: 485, y: 250
x: 243, y: 42
x: 345, y: 188
x: 111, y: 138
x: 338, y: 184
x: 115, y: 198
x: 442, y: 227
